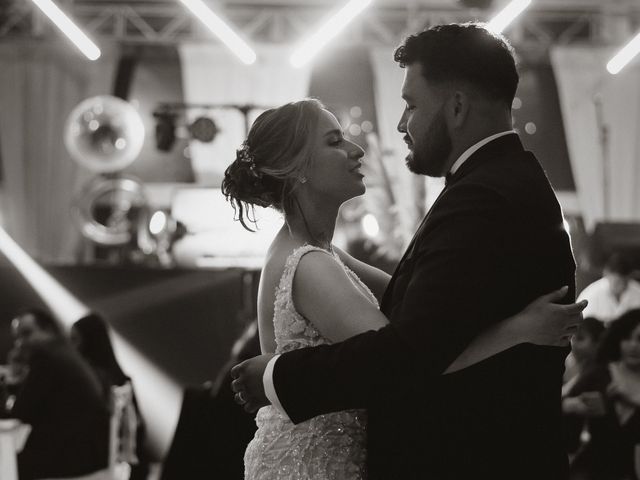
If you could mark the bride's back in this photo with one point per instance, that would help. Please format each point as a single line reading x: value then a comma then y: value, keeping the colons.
x: 279, y: 251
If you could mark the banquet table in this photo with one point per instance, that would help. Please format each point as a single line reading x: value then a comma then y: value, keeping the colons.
x: 13, y: 436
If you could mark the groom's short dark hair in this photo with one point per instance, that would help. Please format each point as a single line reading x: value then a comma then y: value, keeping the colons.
x: 466, y: 52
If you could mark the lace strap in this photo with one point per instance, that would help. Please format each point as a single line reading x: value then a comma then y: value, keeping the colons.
x: 293, y: 260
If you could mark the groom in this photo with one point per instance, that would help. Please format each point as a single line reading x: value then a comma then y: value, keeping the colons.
x: 492, y: 242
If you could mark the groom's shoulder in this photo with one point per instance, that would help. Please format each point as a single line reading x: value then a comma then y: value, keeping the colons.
x: 512, y: 176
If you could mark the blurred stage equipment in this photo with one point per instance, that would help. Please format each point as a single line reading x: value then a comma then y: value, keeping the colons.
x: 108, y: 208
x: 203, y: 129
x: 479, y: 4
x: 165, y: 130
x: 157, y: 232
x: 104, y: 134
x: 171, y: 117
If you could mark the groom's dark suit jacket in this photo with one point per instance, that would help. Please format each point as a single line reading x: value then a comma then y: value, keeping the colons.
x: 493, y: 242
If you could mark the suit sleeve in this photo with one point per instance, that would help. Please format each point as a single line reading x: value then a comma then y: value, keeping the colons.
x: 449, y: 299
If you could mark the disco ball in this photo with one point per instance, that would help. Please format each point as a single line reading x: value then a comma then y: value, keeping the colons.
x: 104, y: 134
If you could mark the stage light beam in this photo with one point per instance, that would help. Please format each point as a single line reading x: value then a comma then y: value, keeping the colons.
x: 159, y: 395
x: 221, y: 30
x: 507, y: 15
x: 624, y: 56
x: 70, y: 29
x: 329, y: 30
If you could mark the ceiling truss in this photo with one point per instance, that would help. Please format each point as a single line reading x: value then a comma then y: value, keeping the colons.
x: 163, y: 22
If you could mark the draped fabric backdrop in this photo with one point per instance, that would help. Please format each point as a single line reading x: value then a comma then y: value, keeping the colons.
x: 40, y: 83
x: 212, y: 75
x: 583, y: 84
x: 408, y: 188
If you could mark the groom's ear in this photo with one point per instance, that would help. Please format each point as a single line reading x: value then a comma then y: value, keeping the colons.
x: 458, y: 108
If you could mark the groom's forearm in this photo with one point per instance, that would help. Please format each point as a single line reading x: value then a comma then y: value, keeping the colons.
x: 357, y: 373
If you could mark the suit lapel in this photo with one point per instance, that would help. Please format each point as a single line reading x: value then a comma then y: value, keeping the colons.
x: 496, y: 148
x: 386, y: 298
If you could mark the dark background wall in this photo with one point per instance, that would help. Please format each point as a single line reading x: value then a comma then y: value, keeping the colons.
x: 183, y: 321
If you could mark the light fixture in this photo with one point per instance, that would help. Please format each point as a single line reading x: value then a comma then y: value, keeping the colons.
x: 332, y: 27
x: 507, y: 15
x: 624, y: 56
x: 158, y: 222
x: 70, y: 29
x: 165, y: 130
x: 370, y: 225
x: 203, y: 129
x: 221, y: 30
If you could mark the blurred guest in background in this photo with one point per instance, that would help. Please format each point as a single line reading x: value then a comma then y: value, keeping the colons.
x: 614, y: 294
x: 576, y: 405
x: 213, y: 431
x: 610, y: 406
x: 90, y: 336
x: 61, y: 399
x: 584, y: 347
x: 11, y: 377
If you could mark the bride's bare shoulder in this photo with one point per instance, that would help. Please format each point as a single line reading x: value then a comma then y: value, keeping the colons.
x: 277, y: 256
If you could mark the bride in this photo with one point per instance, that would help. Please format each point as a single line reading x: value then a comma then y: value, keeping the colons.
x: 297, y: 160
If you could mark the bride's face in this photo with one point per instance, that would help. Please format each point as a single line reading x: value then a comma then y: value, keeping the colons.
x: 334, y: 172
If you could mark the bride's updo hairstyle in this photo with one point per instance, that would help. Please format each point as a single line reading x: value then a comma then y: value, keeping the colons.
x: 273, y: 160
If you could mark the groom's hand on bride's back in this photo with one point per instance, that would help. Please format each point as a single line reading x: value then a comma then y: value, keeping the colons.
x: 247, y: 382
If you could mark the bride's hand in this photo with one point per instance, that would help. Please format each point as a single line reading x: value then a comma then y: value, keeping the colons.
x: 544, y: 322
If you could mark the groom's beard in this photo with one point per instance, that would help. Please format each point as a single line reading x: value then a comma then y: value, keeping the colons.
x: 429, y: 156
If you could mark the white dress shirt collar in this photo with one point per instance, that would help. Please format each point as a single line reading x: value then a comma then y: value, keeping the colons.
x: 474, y: 148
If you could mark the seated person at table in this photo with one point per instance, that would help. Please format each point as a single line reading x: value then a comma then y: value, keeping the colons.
x: 611, y: 395
x: 90, y: 337
x: 61, y: 399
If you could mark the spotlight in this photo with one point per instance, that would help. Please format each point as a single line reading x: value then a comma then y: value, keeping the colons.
x: 203, y: 129
x: 158, y: 222
x: 165, y: 130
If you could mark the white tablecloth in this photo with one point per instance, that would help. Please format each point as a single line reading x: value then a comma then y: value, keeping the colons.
x: 13, y: 436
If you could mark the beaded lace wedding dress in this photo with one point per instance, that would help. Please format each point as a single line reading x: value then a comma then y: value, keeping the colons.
x: 326, y: 447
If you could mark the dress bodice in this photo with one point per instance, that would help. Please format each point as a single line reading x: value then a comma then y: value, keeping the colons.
x: 292, y: 330
x: 326, y: 447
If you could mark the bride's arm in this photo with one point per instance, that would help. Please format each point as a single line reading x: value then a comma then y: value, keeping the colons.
x: 541, y: 322
x: 325, y: 295
x: 373, y: 277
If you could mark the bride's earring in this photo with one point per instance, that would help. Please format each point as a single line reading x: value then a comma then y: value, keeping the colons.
x: 303, y: 179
